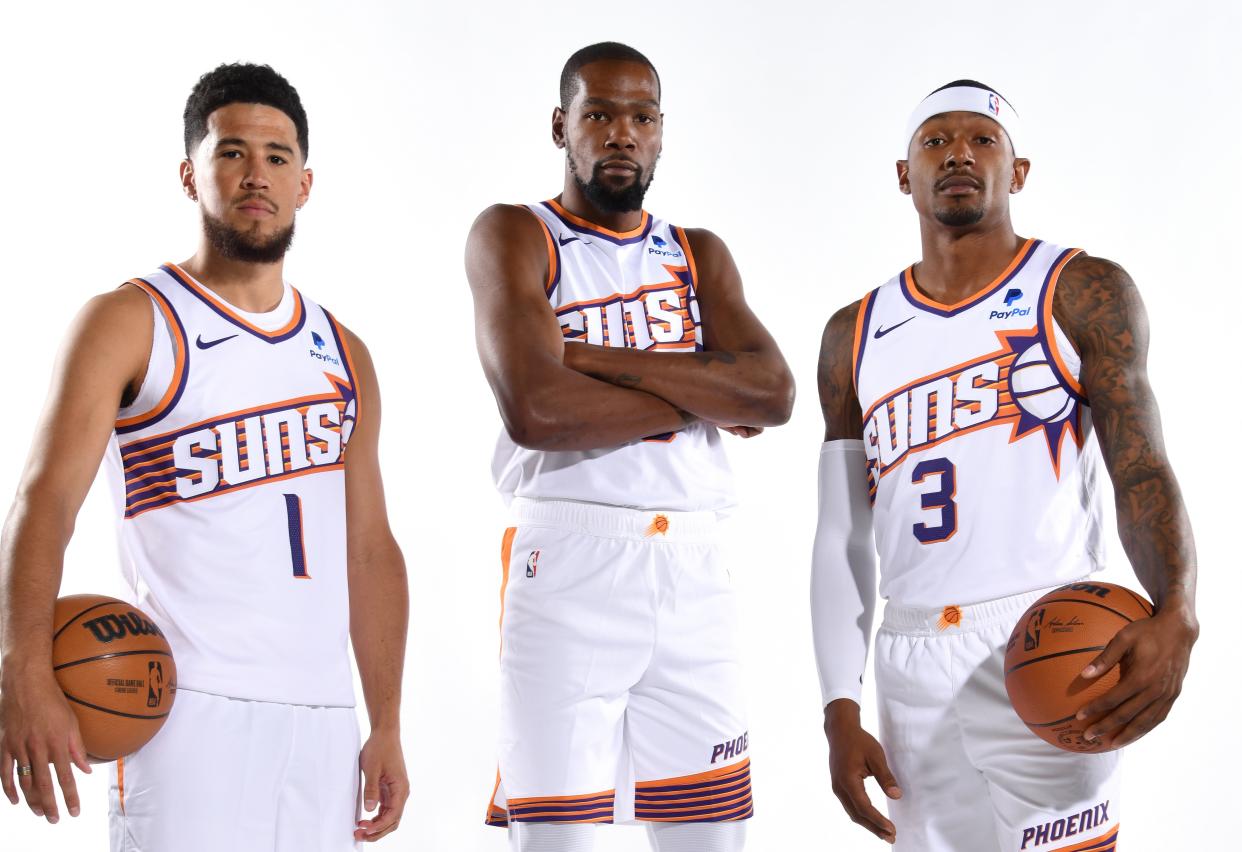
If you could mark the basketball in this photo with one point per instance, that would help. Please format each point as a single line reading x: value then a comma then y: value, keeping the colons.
x: 115, y: 667
x: 1050, y: 646
x: 1035, y: 386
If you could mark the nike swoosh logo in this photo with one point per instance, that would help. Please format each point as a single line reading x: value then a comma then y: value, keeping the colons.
x: 207, y: 344
x: 880, y: 332
x: 566, y: 240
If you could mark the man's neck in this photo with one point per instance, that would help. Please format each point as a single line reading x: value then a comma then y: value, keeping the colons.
x: 253, y: 287
x: 576, y: 203
x: 957, y: 264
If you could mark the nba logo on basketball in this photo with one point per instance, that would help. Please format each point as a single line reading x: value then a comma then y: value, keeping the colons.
x: 155, y: 683
x: 532, y: 563
x: 1031, y: 641
x: 994, y: 104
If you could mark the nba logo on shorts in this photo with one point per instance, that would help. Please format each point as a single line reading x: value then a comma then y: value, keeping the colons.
x: 994, y: 104
x: 532, y: 563
x: 155, y: 683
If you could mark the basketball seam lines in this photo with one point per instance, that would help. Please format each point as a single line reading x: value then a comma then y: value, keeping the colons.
x: 109, y: 656
x: 1050, y: 656
x: 115, y: 712
x: 65, y: 626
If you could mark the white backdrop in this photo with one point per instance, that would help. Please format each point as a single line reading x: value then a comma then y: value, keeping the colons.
x: 783, y: 120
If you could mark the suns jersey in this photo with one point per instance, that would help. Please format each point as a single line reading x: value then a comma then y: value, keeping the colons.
x: 634, y: 290
x: 228, y: 468
x: 981, y: 459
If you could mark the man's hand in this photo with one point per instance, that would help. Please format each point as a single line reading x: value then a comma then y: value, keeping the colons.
x: 38, y: 728
x: 853, y: 755
x: 384, y: 784
x: 1154, y: 654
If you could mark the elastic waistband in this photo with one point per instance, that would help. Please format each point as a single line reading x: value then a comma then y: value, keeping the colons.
x: 966, y: 618
x: 615, y: 521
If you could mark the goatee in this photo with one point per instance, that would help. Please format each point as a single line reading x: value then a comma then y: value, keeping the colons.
x: 604, y: 198
x: 246, y: 246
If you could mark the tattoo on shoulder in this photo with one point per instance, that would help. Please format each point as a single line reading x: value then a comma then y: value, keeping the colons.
x: 837, y: 399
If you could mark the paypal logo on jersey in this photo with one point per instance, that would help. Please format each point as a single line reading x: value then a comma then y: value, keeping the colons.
x: 661, y: 248
x: 317, y: 352
x: 1012, y: 296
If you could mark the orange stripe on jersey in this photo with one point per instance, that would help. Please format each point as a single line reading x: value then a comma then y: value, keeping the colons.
x: 120, y: 782
x: 578, y: 220
x: 738, y: 769
x: 506, y: 553
x: 352, y: 379
x: 129, y: 514
x: 180, y: 358
x: 1054, y: 351
x: 1102, y: 843
x: 923, y: 299
x: 229, y: 311
x: 860, y: 323
x: 685, y: 246
x: 299, y: 402
x: 552, y: 255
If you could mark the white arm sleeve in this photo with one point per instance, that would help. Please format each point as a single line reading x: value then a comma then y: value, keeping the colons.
x: 842, y: 571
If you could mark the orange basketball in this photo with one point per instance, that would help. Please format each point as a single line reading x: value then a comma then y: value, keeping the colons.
x: 115, y: 667
x: 1050, y: 646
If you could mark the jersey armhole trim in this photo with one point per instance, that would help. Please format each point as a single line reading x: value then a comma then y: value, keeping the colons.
x: 1046, y: 327
x: 861, y: 325
x: 339, y: 336
x: 181, y: 364
x: 554, y: 255
x: 679, y: 234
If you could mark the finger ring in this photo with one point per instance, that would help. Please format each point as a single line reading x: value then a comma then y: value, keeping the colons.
x: 24, y: 770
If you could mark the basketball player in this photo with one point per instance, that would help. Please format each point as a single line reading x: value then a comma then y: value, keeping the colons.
x: 983, y: 490
x: 224, y: 401
x: 616, y: 345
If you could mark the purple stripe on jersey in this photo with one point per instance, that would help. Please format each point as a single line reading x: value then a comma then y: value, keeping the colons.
x: 907, y: 283
x: 185, y: 370
x: 563, y: 811
x: 736, y: 782
x: 340, y: 348
x: 600, y: 234
x: 128, y: 452
x: 698, y: 815
x: 299, y: 308
x: 862, y: 342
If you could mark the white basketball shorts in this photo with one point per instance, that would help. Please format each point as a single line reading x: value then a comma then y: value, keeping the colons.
x: 621, y: 692
x: 972, y: 775
x: 246, y: 776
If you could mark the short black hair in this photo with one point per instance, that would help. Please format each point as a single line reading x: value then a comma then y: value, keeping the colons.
x: 612, y: 51
x: 973, y: 84
x: 242, y: 83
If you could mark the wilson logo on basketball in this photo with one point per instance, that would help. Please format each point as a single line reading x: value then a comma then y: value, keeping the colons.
x: 108, y: 628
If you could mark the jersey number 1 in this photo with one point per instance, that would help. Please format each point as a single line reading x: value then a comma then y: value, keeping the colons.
x: 297, y: 545
x: 941, y: 498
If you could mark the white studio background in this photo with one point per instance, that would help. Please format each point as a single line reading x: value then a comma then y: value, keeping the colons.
x: 783, y: 120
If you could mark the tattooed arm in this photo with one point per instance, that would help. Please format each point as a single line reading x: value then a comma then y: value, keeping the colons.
x: 1099, y: 307
x: 741, y: 378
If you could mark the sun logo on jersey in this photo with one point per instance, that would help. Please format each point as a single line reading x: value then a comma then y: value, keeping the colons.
x: 664, y: 315
x: 1017, y: 385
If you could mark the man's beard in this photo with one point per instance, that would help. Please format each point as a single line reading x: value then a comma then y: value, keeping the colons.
x: 607, y: 200
x: 233, y: 244
x: 959, y: 217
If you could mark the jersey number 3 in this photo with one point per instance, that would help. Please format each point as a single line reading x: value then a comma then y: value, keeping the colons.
x: 941, y: 498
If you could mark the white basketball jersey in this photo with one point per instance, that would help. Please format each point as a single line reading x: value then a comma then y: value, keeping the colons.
x: 229, y: 471
x: 634, y: 290
x: 978, y: 438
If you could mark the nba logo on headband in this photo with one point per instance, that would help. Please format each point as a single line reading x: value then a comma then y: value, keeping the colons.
x: 994, y: 104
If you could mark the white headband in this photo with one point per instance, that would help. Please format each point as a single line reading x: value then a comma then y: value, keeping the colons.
x: 965, y: 99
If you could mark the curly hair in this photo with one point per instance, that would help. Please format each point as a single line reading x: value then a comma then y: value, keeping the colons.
x: 242, y: 83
